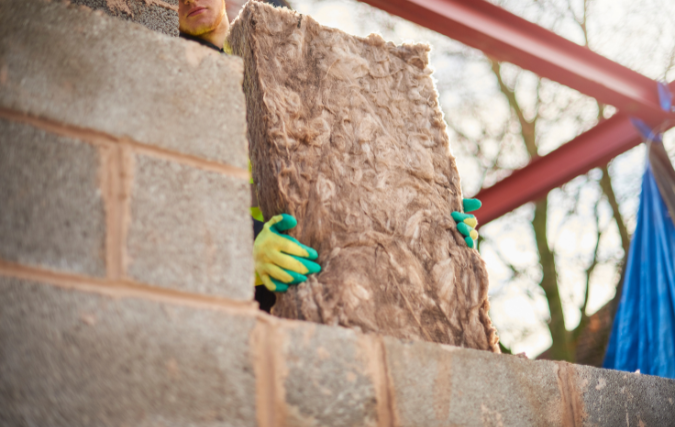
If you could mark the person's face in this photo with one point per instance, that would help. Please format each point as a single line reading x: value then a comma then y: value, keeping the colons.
x: 196, y: 17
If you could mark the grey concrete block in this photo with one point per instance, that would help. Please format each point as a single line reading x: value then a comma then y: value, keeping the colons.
x: 447, y: 386
x: 153, y: 16
x: 190, y: 230
x: 615, y: 398
x: 98, y: 72
x: 328, y: 381
x: 69, y: 358
x: 51, y: 211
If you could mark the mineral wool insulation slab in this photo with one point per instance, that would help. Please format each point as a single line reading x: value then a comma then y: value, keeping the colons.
x: 346, y: 134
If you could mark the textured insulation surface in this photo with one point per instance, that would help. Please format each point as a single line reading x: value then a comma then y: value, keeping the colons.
x: 346, y: 134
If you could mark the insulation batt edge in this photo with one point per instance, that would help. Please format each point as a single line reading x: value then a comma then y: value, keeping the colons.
x: 346, y: 134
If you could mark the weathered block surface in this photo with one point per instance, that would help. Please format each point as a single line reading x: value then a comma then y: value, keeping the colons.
x: 105, y: 74
x: 157, y: 15
x: 346, y: 134
x: 190, y: 229
x: 72, y: 359
x: 186, y: 225
x: 51, y: 210
x: 328, y: 377
x: 447, y: 386
x: 69, y: 358
x: 615, y: 398
x: 441, y: 386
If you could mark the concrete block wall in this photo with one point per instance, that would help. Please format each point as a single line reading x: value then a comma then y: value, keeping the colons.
x: 158, y: 15
x: 126, y: 276
x: 110, y: 170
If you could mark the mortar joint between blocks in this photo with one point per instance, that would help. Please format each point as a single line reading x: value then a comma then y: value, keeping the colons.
x: 102, y: 139
x: 126, y: 289
x: 387, y: 416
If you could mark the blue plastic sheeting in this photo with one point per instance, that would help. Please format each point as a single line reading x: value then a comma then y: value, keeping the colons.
x: 643, y: 335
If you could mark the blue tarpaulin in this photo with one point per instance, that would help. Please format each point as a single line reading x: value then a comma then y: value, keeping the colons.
x: 643, y: 334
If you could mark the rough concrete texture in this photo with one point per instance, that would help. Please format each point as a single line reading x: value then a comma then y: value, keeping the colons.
x: 102, y: 73
x: 328, y: 379
x: 347, y: 135
x: 51, y: 211
x: 69, y: 358
x: 157, y: 15
x: 73, y: 359
x: 190, y: 229
x: 445, y: 386
x: 615, y: 398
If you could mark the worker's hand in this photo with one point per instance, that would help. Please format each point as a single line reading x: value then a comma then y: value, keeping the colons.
x: 466, y: 224
x: 281, y: 260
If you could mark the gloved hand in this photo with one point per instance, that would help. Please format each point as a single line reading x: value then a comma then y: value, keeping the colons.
x: 466, y: 224
x: 281, y: 260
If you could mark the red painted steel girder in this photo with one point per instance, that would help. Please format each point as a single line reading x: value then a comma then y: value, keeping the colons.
x: 591, y: 149
x: 587, y: 151
x: 507, y: 37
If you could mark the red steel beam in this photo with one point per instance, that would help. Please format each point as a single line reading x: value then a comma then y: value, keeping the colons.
x: 507, y: 37
x: 591, y: 149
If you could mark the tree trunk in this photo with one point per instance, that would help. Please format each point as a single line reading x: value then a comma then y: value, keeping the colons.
x: 560, y: 348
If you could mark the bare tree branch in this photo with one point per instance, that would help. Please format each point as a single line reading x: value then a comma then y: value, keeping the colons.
x: 589, y: 272
x: 527, y: 127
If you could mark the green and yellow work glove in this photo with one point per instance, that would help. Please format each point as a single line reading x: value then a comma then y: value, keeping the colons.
x: 281, y: 260
x: 466, y: 224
